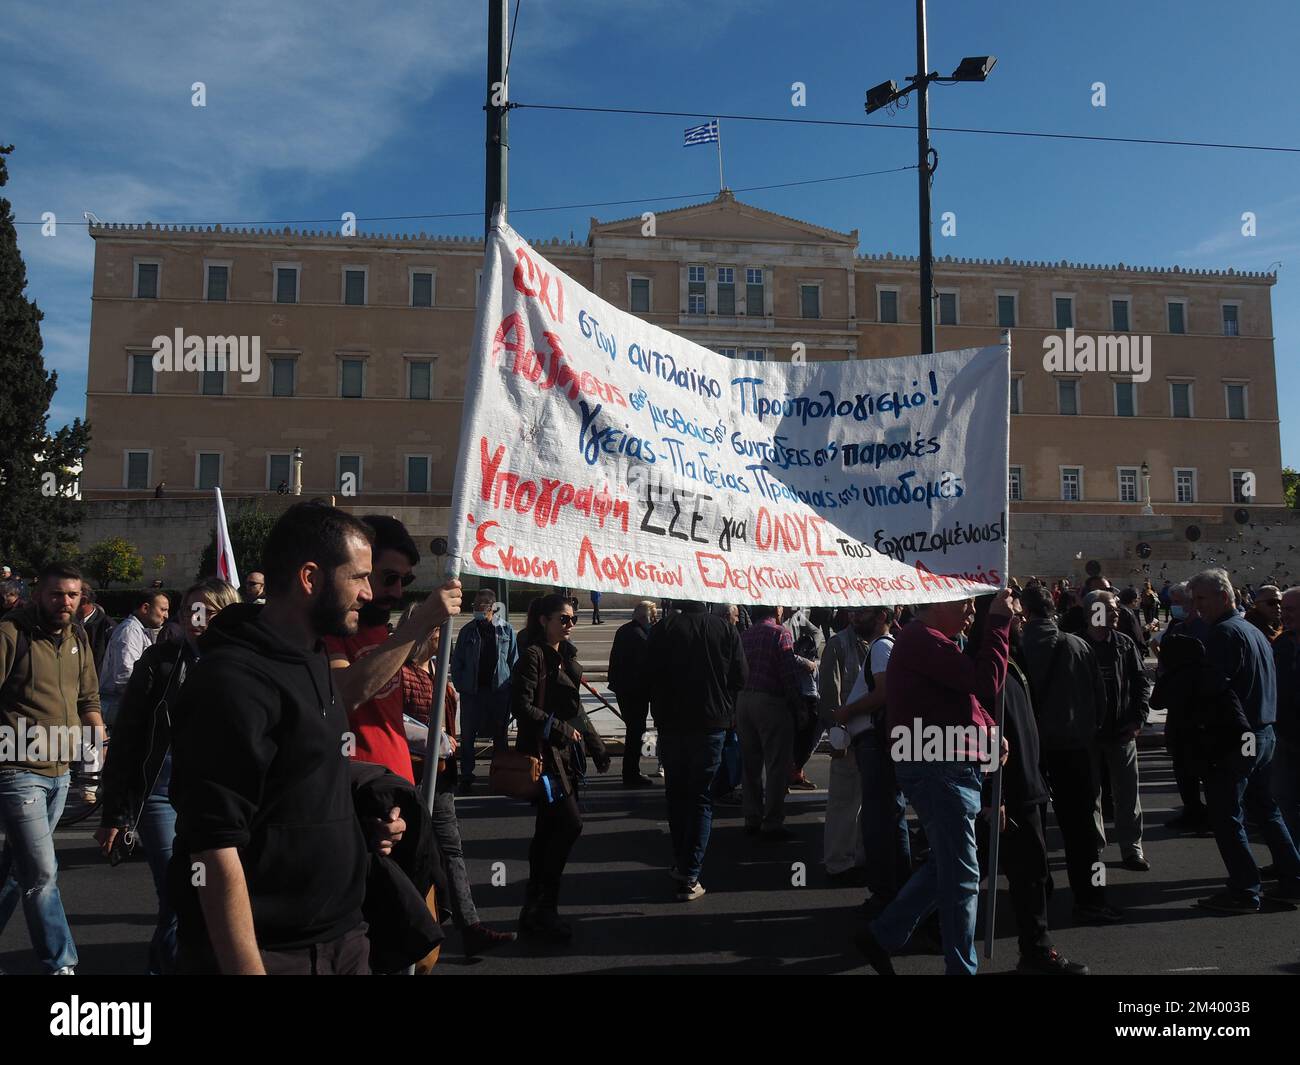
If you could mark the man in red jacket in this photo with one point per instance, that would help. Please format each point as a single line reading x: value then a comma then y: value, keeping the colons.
x: 943, y: 739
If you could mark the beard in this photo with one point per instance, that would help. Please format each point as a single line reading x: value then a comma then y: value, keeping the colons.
x: 373, y: 613
x: 48, y: 620
x: 330, y: 614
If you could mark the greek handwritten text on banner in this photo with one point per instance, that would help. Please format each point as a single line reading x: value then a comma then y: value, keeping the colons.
x: 599, y: 451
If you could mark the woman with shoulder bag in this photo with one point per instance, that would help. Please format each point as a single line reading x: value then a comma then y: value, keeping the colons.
x: 546, y: 697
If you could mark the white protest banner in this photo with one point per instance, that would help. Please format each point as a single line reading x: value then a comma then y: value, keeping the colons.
x: 599, y: 451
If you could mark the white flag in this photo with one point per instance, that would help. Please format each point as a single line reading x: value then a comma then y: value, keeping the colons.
x: 225, y: 549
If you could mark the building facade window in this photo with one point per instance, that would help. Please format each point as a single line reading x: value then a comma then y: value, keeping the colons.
x: 207, y: 469
x: 213, y: 383
x: 1177, y: 310
x: 1067, y: 397
x: 1007, y: 310
x: 1120, y: 317
x: 754, y: 294
x: 696, y: 290
x: 1180, y: 399
x: 286, y: 284
x: 354, y: 286
x: 1184, y: 486
x: 1235, y: 400
x: 756, y: 354
x: 352, y: 378
x: 638, y: 295
x: 1128, y: 484
x: 349, y: 475
x: 141, y: 382
x: 727, y: 353
x: 727, y: 290
x: 948, y: 308
x: 283, y: 372
x: 1072, y: 483
x: 421, y: 288
x: 1125, y: 399
x: 419, y: 379
x: 1231, y: 320
x: 1239, y: 478
x: 137, y: 468
x: 888, y: 301
x: 1015, y: 483
x: 810, y: 301
x: 146, y: 281
x: 417, y: 473
x: 279, y: 470
x: 1064, y: 311
x: 217, y: 289
x: 1017, y: 385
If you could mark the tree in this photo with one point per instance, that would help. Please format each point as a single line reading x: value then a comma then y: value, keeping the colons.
x: 1290, y: 483
x: 249, y: 527
x: 37, y: 470
x: 114, y: 559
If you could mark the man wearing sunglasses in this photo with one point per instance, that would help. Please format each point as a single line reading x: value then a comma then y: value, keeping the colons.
x: 368, y: 665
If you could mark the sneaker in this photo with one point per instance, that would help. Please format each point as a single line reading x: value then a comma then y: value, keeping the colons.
x: 90, y: 795
x: 691, y: 892
x: 1226, y: 902
x: 1100, y: 915
x: 1050, y: 962
x: 479, y: 939
x: 1137, y: 863
x: 876, y: 955
x: 67, y: 970
x: 802, y: 783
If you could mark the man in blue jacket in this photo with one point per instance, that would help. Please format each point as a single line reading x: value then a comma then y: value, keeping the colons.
x: 1239, y: 782
x: 481, y: 662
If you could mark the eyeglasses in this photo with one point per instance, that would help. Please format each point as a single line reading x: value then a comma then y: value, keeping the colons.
x: 389, y: 579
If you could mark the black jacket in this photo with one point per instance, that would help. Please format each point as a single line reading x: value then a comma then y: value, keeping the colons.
x: 1131, y: 626
x: 401, y: 929
x: 1022, y: 776
x: 1204, y: 716
x: 628, y: 661
x: 258, y: 764
x: 1131, y: 709
x: 697, y: 667
x: 1286, y: 657
x: 99, y: 630
x: 548, y: 683
x: 142, y: 734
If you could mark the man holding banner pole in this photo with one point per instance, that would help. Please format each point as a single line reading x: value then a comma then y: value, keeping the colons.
x: 943, y: 741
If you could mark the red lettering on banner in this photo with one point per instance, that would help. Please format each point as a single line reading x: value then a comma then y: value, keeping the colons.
x: 482, y: 543
x: 753, y: 581
x: 622, y: 568
x: 547, y: 369
x: 546, y: 500
x: 790, y: 533
x: 527, y: 274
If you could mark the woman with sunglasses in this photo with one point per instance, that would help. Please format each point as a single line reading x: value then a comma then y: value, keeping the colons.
x: 546, y: 697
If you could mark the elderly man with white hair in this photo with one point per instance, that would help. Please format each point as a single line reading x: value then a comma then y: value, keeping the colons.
x: 1238, y: 781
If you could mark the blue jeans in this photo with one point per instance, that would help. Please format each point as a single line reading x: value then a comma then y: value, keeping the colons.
x: 690, y: 761
x: 30, y: 808
x: 157, y: 833
x: 886, y: 846
x: 946, y: 796
x: 1232, y: 788
x: 1286, y: 784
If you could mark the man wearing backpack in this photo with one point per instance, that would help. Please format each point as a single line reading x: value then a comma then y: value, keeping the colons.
x: 49, y: 689
x: 886, y: 846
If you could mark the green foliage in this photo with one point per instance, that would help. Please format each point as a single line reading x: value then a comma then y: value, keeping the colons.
x: 249, y: 528
x: 32, y: 522
x: 114, y: 560
x: 1290, y: 483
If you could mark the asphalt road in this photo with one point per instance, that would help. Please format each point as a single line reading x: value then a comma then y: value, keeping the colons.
x: 753, y: 919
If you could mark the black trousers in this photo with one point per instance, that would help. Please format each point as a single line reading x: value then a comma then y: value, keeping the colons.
x: 1186, y: 776
x: 635, y: 709
x: 1023, y: 861
x: 1075, y: 790
x: 559, y: 824
x: 805, y: 740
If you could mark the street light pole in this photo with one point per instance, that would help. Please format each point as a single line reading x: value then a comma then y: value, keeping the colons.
x: 922, y: 85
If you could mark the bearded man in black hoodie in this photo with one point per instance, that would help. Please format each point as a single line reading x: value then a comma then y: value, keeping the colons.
x: 266, y: 828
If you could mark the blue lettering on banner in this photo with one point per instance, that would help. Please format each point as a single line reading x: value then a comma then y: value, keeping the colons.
x: 826, y: 404
x: 594, y: 439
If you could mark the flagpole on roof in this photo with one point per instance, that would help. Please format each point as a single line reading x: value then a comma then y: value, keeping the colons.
x: 721, y: 184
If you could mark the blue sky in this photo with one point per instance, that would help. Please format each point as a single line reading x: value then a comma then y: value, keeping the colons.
x: 316, y: 109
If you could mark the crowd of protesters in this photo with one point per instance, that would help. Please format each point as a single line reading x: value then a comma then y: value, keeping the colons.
x: 267, y: 747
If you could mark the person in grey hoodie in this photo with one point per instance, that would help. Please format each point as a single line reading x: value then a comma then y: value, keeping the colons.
x: 1069, y: 697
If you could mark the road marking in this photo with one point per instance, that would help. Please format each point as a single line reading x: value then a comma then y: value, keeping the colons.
x: 1195, y: 969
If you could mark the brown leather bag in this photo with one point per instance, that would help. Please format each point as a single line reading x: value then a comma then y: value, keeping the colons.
x: 514, y: 773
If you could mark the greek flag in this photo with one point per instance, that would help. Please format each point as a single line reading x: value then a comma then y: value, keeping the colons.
x: 705, y: 134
